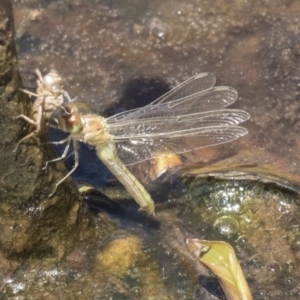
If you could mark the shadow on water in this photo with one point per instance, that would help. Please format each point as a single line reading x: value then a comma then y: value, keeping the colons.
x: 139, y: 92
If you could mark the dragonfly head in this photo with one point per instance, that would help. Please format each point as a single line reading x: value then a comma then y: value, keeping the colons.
x: 72, y: 118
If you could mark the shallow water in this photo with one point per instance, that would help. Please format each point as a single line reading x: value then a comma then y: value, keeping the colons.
x: 116, y: 55
x: 261, y: 222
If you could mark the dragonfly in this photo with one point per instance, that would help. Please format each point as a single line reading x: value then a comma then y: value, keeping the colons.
x: 193, y: 115
x: 49, y: 97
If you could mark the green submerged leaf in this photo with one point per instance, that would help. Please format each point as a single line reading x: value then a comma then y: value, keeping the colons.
x: 219, y: 257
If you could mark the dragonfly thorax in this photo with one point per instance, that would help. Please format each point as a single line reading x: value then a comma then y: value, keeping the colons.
x: 95, y: 130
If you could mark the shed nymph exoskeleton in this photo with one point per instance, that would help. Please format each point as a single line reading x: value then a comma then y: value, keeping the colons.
x: 50, y: 97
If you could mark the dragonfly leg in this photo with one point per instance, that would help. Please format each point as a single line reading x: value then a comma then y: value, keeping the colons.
x: 39, y: 119
x: 39, y: 75
x: 26, y: 119
x: 55, y: 127
x: 27, y: 137
x: 67, y: 96
x: 76, y: 158
x: 29, y: 93
x: 63, y: 155
x: 60, y: 142
x: 67, y: 112
x: 30, y: 134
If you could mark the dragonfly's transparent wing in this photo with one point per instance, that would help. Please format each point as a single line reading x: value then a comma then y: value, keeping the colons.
x: 189, y: 117
x: 176, y: 125
x: 135, y: 150
x: 212, y: 99
x: 195, y: 85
